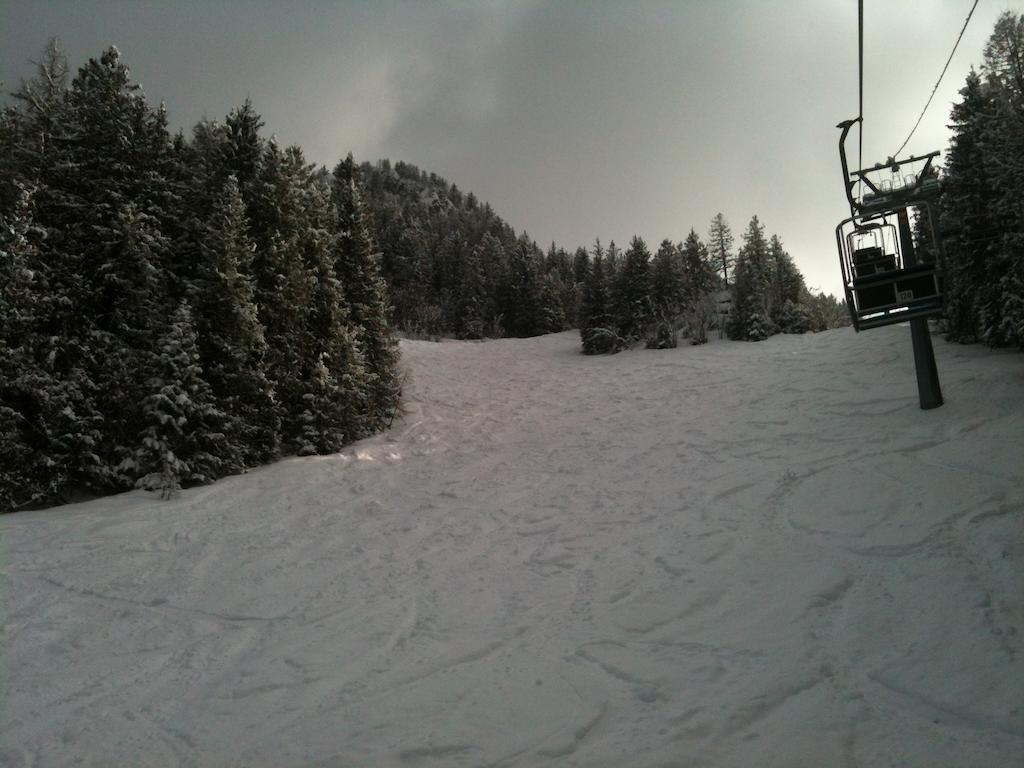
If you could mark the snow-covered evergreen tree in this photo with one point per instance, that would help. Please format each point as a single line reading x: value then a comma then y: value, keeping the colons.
x: 698, y: 272
x: 720, y: 242
x: 968, y: 205
x: 522, y: 311
x: 357, y: 264
x: 26, y: 390
x: 597, y: 327
x: 749, y: 318
x: 982, y: 190
x: 1004, y: 70
x: 550, y: 303
x: 785, y: 288
x: 632, y: 291
x: 612, y: 261
x: 180, y: 440
x: 667, y: 279
x: 699, y: 280
x: 231, y: 343
x: 472, y: 321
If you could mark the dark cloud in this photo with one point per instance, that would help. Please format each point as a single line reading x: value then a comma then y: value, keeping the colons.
x: 574, y: 119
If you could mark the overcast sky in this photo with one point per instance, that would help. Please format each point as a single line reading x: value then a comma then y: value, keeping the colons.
x: 575, y: 120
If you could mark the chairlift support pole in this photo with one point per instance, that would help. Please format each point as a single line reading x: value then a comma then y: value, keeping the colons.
x: 928, y: 389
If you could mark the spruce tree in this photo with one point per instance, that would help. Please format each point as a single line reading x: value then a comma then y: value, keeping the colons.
x: 282, y: 283
x: 632, y: 290
x: 356, y: 262
x: 667, y: 280
x: 523, y: 315
x: 612, y: 260
x: 968, y: 207
x: 785, y: 288
x: 749, y: 317
x: 337, y: 385
x: 244, y: 148
x: 552, y: 311
x: 698, y: 272
x: 231, y: 342
x: 1004, y: 69
x: 597, y: 329
x: 30, y: 474
x: 982, y: 191
x: 699, y: 280
x: 720, y: 242
x: 103, y: 202
x: 180, y: 441
x: 472, y: 299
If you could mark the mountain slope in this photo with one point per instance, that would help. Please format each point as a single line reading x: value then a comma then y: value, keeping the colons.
x: 730, y: 555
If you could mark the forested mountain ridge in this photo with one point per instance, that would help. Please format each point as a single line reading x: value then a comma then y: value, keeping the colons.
x: 454, y: 267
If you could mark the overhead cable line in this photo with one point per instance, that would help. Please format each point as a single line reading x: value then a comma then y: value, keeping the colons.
x: 860, y: 88
x: 962, y: 30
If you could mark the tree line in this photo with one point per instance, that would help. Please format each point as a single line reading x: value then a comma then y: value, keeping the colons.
x: 690, y: 287
x: 455, y: 268
x: 174, y: 308
x: 982, y: 203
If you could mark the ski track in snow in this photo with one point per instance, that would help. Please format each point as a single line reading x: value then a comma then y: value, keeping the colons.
x: 730, y: 555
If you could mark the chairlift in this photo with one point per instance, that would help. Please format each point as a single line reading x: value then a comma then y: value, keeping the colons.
x: 885, y: 279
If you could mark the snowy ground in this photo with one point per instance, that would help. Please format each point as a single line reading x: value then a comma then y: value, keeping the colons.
x: 732, y: 555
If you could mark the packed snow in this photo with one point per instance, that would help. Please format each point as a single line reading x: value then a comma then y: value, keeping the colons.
x: 730, y: 555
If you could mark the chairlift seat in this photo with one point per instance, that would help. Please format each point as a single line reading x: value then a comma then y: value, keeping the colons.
x: 916, y: 286
x: 871, y: 261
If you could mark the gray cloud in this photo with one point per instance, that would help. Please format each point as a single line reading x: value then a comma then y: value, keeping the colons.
x: 574, y: 119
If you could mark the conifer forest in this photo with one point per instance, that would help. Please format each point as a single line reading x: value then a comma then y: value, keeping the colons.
x: 177, y: 307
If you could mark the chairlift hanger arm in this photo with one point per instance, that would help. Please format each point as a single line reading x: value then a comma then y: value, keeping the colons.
x: 923, y: 185
x: 848, y: 185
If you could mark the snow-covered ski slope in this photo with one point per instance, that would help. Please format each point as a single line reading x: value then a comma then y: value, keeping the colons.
x: 731, y: 555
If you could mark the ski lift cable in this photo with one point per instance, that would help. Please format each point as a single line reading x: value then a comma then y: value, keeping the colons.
x: 860, y: 87
x: 962, y: 30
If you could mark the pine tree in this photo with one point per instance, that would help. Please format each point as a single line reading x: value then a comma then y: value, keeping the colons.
x: 28, y: 470
x: 472, y: 299
x: 597, y: 329
x: 495, y: 270
x: 1004, y: 69
x: 231, y: 341
x: 968, y: 203
x: 244, y: 148
x: 632, y: 290
x: 699, y: 280
x: 180, y: 441
x: 785, y: 287
x: 983, y: 188
x: 523, y: 309
x: 667, y: 280
x: 356, y: 262
x: 282, y: 282
x: 698, y: 273
x: 102, y: 200
x: 552, y: 312
x: 612, y: 260
x: 720, y: 246
x: 337, y: 383
x: 29, y: 132
x: 749, y: 317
